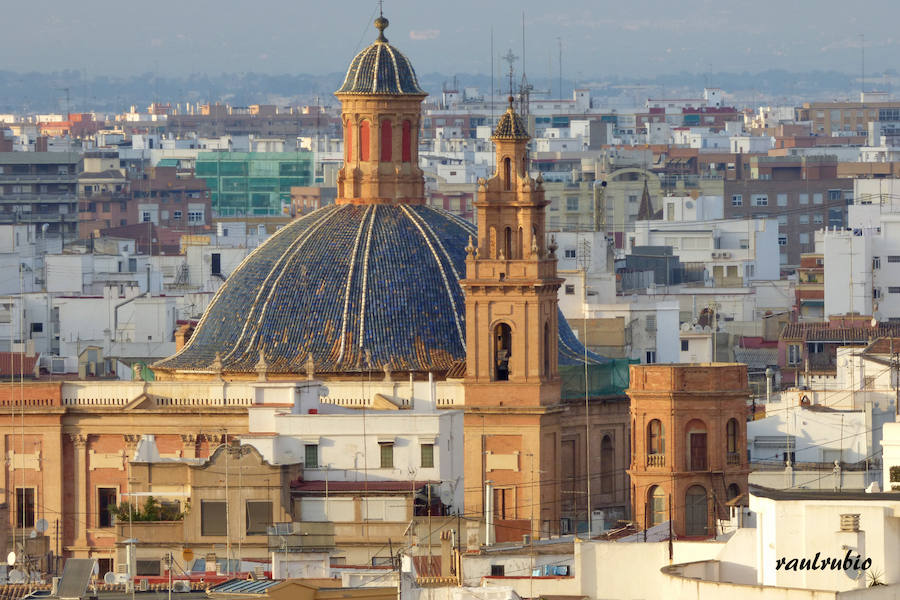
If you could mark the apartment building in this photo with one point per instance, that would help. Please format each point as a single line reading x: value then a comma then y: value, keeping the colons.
x: 40, y: 188
x: 804, y: 194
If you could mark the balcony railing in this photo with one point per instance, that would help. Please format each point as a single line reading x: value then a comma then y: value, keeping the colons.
x: 733, y: 458
x: 656, y: 460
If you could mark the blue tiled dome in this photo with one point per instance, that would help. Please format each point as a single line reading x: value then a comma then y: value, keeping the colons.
x: 342, y: 283
x: 381, y: 69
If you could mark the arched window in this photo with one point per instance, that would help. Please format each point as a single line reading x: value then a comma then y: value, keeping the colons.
x: 656, y: 440
x: 520, y: 245
x: 696, y: 443
x: 406, y: 150
x: 364, y: 141
x: 546, y: 349
x: 656, y: 501
x: 348, y: 141
x: 607, y: 466
x: 734, y: 490
x: 507, y: 174
x: 696, y: 512
x: 731, y: 436
x: 386, y: 140
x: 507, y: 243
x: 502, y: 351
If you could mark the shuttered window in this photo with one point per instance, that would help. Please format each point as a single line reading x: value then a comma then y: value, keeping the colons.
x: 212, y: 518
x: 259, y: 517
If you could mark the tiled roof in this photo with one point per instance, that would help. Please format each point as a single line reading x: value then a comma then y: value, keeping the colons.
x: 357, y: 287
x: 381, y: 69
x: 16, y: 363
x: 511, y: 126
x: 820, y: 332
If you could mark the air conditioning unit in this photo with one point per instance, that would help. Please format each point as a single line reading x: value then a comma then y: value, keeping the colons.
x: 181, y: 586
x: 726, y: 255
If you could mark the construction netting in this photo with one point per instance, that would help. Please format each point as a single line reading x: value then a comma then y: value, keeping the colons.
x: 605, y: 379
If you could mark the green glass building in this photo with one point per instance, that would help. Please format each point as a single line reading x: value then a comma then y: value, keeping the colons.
x: 253, y: 183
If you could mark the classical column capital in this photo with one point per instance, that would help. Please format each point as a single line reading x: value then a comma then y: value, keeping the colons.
x: 79, y: 440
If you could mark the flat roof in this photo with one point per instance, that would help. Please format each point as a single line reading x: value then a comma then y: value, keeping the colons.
x: 773, y: 494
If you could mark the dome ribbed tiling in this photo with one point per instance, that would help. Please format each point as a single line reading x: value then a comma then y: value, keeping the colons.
x: 359, y: 287
x: 381, y: 69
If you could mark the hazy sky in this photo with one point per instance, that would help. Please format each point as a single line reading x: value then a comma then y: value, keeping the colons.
x: 635, y: 37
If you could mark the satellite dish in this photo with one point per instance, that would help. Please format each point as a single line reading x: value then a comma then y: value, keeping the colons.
x: 109, y: 578
x: 95, y: 569
x: 16, y: 576
x: 41, y: 526
x: 11, y: 558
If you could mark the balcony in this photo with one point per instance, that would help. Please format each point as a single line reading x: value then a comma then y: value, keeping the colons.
x: 37, y: 178
x: 301, y: 537
x: 152, y: 532
x: 656, y: 460
x: 733, y: 458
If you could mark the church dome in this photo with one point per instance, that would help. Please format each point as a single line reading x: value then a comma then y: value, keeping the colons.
x: 381, y: 69
x: 358, y: 287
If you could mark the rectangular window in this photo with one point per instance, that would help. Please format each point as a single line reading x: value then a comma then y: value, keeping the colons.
x: 834, y: 195
x: 876, y: 293
x: 37, y: 327
x: 782, y: 240
x: 148, y: 567
x: 782, y: 220
x: 894, y: 290
x: 760, y: 200
x: 893, y: 258
x: 793, y: 354
x: 737, y: 200
x: 259, y: 517
x: 570, y: 289
x: 176, y: 214
x: 571, y: 203
x: 817, y: 198
x: 803, y: 219
x: 876, y: 262
x: 216, y: 263
x: 685, y: 345
x: 387, y: 455
x: 569, y: 253
x: 25, y: 507
x: 803, y: 198
x: 212, y: 517
x: 311, y: 456
x: 106, y: 500
x: 195, y: 217
x: 498, y: 571
x: 145, y: 216
x: 818, y: 219
x: 651, y: 357
x: 427, y: 456
x: 804, y: 238
x: 782, y: 199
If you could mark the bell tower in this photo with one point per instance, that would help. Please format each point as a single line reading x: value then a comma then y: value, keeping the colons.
x: 511, y: 283
x: 512, y: 386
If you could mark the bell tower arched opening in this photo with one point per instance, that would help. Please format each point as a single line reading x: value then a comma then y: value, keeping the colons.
x: 502, y: 351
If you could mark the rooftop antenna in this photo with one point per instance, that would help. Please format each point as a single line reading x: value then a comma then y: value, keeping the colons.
x: 559, y: 42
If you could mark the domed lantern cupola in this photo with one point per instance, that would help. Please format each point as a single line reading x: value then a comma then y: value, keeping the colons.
x: 381, y: 114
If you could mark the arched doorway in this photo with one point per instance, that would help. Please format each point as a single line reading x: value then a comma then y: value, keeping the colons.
x: 696, y: 512
x: 502, y: 348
